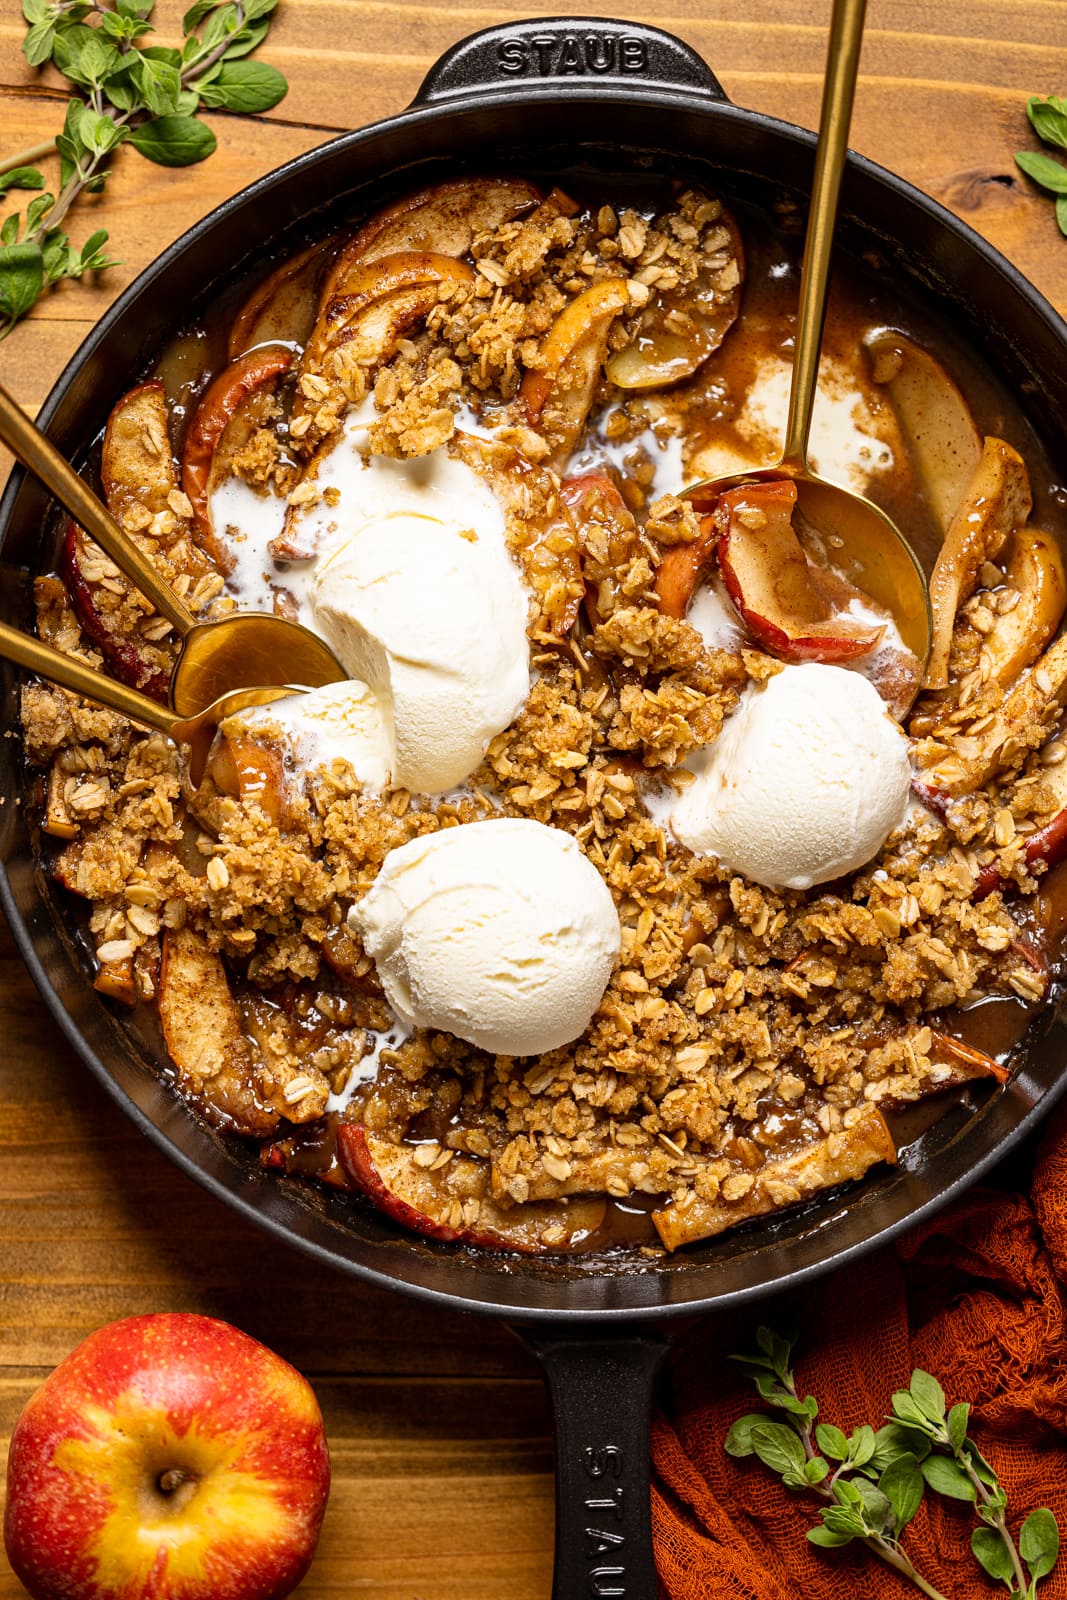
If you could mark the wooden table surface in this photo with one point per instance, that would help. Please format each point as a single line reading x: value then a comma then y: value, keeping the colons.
x: 438, y: 1425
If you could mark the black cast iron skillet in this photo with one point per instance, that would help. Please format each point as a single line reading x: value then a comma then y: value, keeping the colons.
x: 568, y: 98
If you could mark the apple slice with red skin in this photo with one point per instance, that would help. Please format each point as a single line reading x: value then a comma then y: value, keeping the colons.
x: 256, y: 374
x: 434, y: 1203
x: 608, y: 536
x: 556, y: 395
x: 131, y: 660
x: 997, y: 502
x: 682, y: 567
x: 445, y: 218
x: 282, y: 306
x: 680, y: 328
x: 168, y: 1455
x: 784, y: 601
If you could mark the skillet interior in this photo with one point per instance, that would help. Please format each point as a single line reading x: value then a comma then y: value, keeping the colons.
x: 558, y: 130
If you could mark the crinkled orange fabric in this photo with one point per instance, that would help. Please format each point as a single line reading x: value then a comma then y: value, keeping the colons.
x: 977, y: 1297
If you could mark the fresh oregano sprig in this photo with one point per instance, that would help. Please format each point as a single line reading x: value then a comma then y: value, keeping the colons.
x: 874, y: 1480
x: 126, y: 91
x: 1049, y: 120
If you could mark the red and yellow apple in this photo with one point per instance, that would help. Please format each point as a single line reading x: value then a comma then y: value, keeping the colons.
x: 168, y: 1456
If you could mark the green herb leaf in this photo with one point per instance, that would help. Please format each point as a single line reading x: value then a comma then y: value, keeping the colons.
x: 174, y: 141
x: 861, y: 1446
x: 37, y: 210
x: 246, y: 39
x: 159, y: 83
x: 1039, y: 1542
x: 928, y: 1395
x: 245, y: 86
x: 21, y: 279
x: 877, y: 1510
x: 35, y: 10
x: 196, y: 14
x: 842, y: 1520
x: 893, y: 1440
x: 779, y: 1448
x: 21, y: 178
x: 944, y: 1476
x: 1049, y: 118
x: 902, y: 1484
x: 1044, y: 170
x: 908, y: 1411
x: 84, y: 57
x: 739, y: 1438
x: 831, y: 1441
x: 957, y: 1424
x: 9, y: 229
x: 60, y: 261
x: 1061, y: 213
x: 816, y: 1470
x: 39, y: 43
x: 992, y: 1554
x: 827, y: 1538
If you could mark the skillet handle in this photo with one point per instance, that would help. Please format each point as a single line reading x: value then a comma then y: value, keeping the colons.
x: 570, y: 53
x: 601, y: 1392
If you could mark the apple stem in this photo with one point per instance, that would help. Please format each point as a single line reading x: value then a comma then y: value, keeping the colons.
x: 173, y: 1479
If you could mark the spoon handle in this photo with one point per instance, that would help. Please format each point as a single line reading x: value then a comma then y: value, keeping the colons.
x: 40, y: 456
x: 39, y: 657
x: 842, y: 64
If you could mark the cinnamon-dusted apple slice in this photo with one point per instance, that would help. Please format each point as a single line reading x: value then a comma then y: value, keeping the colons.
x: 358, y: 329
x: 1034, y: 574
x: 251, y: 769
x: 682, y: 567
x: 541, y: 530
x: 609, y: 539
x: 556, y: 395
x: 680, y: 328
x: 1047, y: 845
x: 96, y: 593
x: 935, y: 418
x: 997, y: 502
x: 839, y: 1158
x: 234, y: 404
x: 282, y: 306
x: 445, y: 1197
x: 204, y: 1037
x: 445, y: 218
x: 787, y: 604
x: 1022, y: 722
x: 964, y: 1061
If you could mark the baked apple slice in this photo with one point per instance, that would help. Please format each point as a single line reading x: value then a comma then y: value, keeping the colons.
x: 787, y: 604
x: 936, y: 420
x: 556, y: 395
x: 99, y: 600
x: 359, y: 328
x: 445, y: 219
x: 609, y: 539
x: 680, y: 328
x: 204, y: 1037
x: 234, y: 404
x: 282, y: 306
x: 448, y: 1201
x: 1022, y: 722
x: 997, y: 502
x: 839, y: 1158
x: 1035, y: 574
x: 679, y: 573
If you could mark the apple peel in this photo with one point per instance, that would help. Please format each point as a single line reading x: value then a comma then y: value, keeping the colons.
x: 450, y: 1205
x: 996, y: 504
x: 786, y: 603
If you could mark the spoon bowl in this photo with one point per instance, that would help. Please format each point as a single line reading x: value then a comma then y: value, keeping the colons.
x: 860, y: 541
x: 248, y: 649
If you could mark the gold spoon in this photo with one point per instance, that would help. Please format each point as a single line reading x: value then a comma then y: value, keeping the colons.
x: 196, y: 731
x: 249, y: 648
x: 867, y: 546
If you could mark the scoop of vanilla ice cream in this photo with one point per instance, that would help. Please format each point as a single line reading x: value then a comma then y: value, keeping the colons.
x: 430, y: 610
x: 806, y: 781
x: 500, y: 932
x: 339, y: 722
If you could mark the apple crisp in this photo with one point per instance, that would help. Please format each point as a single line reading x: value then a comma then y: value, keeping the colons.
x: 750, y: 1038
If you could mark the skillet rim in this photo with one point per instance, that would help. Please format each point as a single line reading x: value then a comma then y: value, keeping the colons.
x: 1028, y: 1106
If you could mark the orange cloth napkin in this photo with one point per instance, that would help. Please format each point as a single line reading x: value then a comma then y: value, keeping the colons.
x: 977, y: 1297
